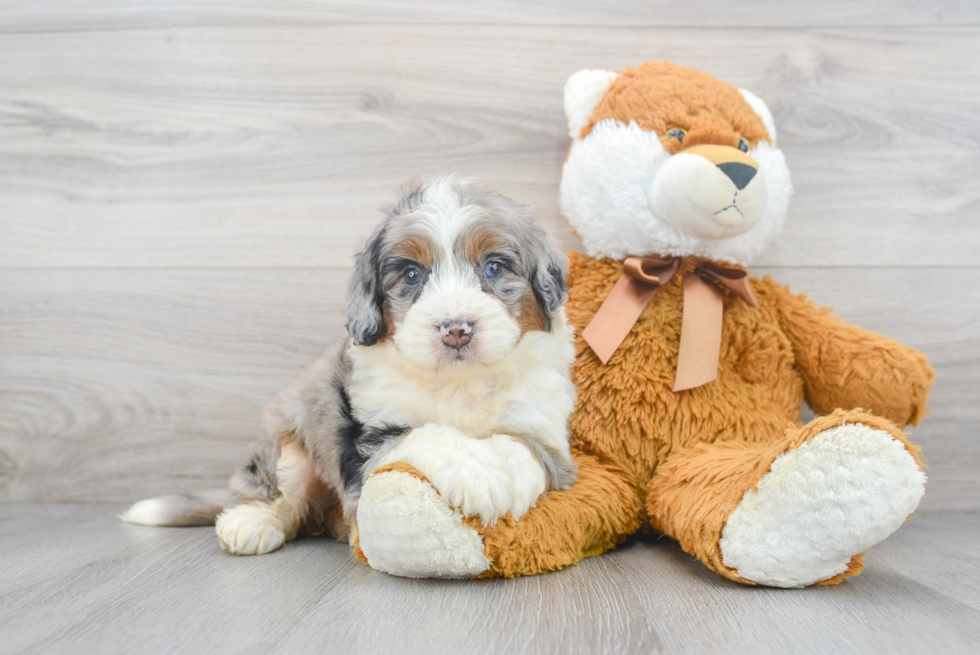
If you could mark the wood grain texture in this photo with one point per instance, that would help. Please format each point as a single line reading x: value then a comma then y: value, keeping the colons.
x: 182, y: 183
x: 271, y: 145
x: 117, y: 385
x: 114, y: 383
x: 75, y: 15
x: 77, y: 580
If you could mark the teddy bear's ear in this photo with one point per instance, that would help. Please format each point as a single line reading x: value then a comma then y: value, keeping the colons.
x: 760, y: 108
x: 583, y: 91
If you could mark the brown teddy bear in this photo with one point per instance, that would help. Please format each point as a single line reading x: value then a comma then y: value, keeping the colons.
x: 690, y: 374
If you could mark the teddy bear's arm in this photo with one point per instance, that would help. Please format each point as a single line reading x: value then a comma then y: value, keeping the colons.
x: 844, y: 366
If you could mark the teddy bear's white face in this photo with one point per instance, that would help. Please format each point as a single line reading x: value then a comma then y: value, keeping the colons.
x: 626, y: 194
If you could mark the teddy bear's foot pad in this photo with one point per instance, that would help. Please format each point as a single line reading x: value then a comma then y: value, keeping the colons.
x: 820, y: 504
x: 407, y: 529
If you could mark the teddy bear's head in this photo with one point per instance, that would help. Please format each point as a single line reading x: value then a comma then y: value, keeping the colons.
x: 668, y: 160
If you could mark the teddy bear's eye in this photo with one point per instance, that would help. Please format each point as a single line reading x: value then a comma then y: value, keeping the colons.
x: 743, y: 145
x: 676, y: 133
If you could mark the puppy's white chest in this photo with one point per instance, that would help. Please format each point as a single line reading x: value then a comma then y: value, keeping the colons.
x: 471, y: 408
x: 383, y: 392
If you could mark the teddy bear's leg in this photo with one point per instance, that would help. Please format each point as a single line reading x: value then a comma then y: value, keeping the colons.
x: 406, y: 527
x: 599, y: 511
x: 793, y: 513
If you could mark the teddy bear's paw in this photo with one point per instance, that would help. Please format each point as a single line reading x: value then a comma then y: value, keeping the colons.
x: 820, y: 504
x: 407, y: 528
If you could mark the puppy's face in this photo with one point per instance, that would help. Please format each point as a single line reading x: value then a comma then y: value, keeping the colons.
x: 454, y: 276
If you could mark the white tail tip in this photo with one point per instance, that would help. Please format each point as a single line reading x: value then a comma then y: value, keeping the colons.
x: 152, y: 511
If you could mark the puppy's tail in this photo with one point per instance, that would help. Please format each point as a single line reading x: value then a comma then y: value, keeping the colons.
x: 198, y: 509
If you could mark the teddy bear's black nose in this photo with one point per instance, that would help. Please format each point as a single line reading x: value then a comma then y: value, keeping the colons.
x: 740, y: 174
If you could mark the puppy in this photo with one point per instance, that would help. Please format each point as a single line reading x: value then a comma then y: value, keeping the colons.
x: 456, y: 363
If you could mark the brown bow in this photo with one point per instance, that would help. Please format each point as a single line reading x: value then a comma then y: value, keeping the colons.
x: 697, y: 360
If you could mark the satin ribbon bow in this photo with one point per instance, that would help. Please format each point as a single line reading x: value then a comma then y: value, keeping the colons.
x: 697, y: 360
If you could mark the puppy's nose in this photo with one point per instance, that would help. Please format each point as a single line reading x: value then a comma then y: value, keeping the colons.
x: 455, y: 334
x: 740, y: 174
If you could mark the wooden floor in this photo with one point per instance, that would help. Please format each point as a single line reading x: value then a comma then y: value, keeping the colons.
x: 76, y: 580
x: 182, y: 183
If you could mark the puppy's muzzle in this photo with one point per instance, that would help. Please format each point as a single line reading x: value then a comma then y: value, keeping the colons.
x: 456, y: 334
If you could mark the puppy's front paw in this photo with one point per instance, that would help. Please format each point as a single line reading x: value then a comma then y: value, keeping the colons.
x: 524, y: 473
x: 486, y: 478
x: 250, y: 530
x: 476, y: 484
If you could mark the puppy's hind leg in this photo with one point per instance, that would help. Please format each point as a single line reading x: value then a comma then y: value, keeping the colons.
x: 280, y: 502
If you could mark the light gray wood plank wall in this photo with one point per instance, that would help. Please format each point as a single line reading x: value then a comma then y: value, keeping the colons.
x: 272, y: 146
x: 182, y: 185
x: 73, y: 15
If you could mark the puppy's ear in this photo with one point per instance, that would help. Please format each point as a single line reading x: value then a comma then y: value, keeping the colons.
x: 364, y: 302
x: 548, y: 273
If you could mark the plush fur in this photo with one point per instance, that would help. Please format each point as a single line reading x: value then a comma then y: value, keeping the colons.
x: 457, y: 364
x: 727, y: 468
x: 780, y: 537
x: 628, y: 187
x: 437, y: 543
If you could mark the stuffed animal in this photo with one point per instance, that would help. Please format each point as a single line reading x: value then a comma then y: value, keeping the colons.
x: 690, y: 374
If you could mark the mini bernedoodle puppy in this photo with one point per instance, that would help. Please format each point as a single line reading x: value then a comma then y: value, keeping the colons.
x: 456, y: 363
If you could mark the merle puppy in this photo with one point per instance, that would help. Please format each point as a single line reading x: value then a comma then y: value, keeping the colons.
x: 456, y: 363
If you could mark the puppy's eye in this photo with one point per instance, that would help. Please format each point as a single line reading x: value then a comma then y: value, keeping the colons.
x: 412, y: 276
x: 677, y: 133
x: 493, y: 269
x: 743, y: 145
